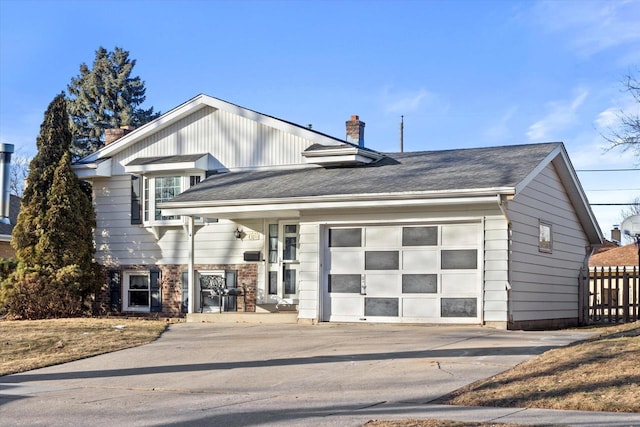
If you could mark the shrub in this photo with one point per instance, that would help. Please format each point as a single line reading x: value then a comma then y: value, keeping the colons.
x: 41, y: 293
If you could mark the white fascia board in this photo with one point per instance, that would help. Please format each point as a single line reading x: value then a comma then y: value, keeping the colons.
x: 339, y: 160
x: 93, y: 170
x: 341, y: 155
x: 539, y: 168
x: 341, y: 151
x: 5, y: 237
x: 202, y: 164
x: 235, y: 207
x: 560, y: 159
x: 578, y: 197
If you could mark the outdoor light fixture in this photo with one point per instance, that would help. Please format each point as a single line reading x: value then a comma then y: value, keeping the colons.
x: 237, y: 233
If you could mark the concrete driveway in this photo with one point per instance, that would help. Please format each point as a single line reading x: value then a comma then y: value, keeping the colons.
x: 244, y: 374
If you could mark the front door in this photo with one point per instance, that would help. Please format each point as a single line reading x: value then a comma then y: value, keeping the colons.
x: 283, y: 263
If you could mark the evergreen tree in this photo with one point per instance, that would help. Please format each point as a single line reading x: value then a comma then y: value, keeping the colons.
x: 104, y: 97
x: 53, y: 142
x: 53, y: 236
x: 68, y: 223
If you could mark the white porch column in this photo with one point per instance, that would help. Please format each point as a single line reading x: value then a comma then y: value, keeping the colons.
x: 191, y: 272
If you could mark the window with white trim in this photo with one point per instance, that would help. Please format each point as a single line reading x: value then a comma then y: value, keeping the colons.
x: 160, y: 189
x: 141, y: 291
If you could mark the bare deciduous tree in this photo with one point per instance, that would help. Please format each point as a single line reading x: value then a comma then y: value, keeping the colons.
x: 18, y: 174
x: 626, y: 134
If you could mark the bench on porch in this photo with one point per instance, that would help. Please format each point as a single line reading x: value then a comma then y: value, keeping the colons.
x: 214, y: 287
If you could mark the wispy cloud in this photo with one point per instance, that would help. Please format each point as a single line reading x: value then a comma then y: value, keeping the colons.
x: 610, y: 117
x: 591, y: 25
x: 561, y: 115
x: 500, y: 130
x: 405, y: 101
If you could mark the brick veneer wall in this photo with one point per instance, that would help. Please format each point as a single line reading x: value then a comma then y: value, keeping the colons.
x: 171, y: 286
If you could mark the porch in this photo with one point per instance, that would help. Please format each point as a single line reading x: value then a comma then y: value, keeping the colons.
x: 283, y: 317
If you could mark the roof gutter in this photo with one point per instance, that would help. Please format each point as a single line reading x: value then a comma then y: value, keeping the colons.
x: 225, y: 208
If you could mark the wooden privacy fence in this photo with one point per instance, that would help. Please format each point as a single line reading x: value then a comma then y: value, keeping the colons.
x: 614, y: 294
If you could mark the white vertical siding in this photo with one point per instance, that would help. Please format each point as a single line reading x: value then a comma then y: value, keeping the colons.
x: 545, y: 285
x: 233, y: 141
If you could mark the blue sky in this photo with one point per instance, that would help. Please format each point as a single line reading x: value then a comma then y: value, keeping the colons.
x: 463, y: 73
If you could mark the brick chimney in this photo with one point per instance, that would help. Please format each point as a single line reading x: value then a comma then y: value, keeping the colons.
x: 616, y: 234
x: 111, y: 135
x: 355, y: 131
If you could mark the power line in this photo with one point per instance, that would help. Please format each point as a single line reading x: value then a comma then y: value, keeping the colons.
x: 607, y: 170
x: 612, y: 204
x: 614, y: 189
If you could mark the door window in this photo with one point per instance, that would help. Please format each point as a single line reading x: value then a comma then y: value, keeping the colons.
x: 282, y: 278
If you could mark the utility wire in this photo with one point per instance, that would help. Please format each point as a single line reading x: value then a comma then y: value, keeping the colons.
x: 612, y: 204
x: 606, y: 170
x: 613, y: 189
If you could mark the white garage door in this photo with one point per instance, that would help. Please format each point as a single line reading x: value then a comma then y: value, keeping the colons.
x: 403, y: 273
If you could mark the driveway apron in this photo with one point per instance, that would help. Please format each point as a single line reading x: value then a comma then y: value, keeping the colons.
x: 247, y: 374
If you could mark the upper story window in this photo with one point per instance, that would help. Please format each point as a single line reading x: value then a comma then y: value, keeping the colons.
x: 160, y: 189
x: 157, y: 180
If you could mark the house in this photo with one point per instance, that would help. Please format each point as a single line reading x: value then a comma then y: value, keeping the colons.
x: 614, y: 283
x: 6, y: 227
x: 616, y: 256
x: 294, y: 219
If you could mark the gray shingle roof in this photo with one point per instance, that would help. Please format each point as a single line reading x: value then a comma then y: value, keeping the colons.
x: 463, y: 169
x: 14, y: 209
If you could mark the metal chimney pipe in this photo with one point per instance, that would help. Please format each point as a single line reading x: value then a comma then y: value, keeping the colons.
x: 5, y: 176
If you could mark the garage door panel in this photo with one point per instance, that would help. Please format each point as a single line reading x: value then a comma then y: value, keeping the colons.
x: 345, y: 283
x: 459, y: 284
x: 419, y: 260
x: 376, y: 237
x: 346, y: 261
x: 386, y: 307
x: 419, y: 283
x: 346, y: 306
x: 459, y: 307
x: 420, y: 307
x: 460, y: 234
x: 383, y: 284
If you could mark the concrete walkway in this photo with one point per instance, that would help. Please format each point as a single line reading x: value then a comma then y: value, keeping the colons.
x: 322, y: 375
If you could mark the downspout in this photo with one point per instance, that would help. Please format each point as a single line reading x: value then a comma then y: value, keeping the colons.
x: 502, y: 203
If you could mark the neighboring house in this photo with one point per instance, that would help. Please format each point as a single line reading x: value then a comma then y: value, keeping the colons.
x: 614, y: 282
x: 6, y: 251
x: 616, y: 256
x: 304, y: 221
